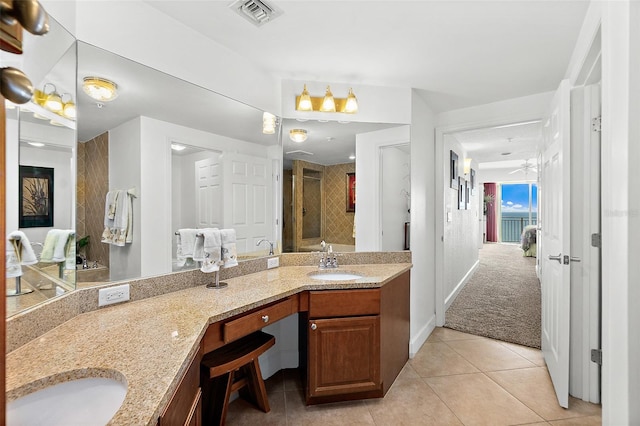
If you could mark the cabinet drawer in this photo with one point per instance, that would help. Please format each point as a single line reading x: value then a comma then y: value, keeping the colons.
x: 343, y: 303
x: 246, y: 324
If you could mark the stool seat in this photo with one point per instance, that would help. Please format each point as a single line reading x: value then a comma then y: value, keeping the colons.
x: 234, y: 367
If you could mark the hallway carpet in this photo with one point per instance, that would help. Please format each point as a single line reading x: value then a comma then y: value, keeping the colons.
x: 502, y: 298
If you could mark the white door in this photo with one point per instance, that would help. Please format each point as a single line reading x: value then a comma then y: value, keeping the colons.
x: 209, y: 200
x: 249, y: 199
x: 394, y: 201
x: 555, y: 236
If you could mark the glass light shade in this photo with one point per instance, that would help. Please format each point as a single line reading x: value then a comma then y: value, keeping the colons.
x: 467, y: 166
x: 53, y: 102
x: 305, y: 101
x: 328, y: 103
x: 100, y: 89
x: 268, y: 123
x: 298, y: 135
x: 39, y: 97
x: 69, y: 110
x: 351, y: 106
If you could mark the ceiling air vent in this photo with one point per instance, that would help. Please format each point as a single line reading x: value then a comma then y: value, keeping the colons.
x: 256, y: 11
x: 299, y: 152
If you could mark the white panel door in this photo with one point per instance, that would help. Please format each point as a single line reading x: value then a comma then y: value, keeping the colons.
x: 209, y: 192
x: 251, y: 213
x: 555, y: 236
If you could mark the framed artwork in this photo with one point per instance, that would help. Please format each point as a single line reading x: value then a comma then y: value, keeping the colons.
x: 461, y: 193
x: 351, y: 192
x: 467, y: 194
x: 472, y: 181
x: 453, y: 169
x: 35, y: 197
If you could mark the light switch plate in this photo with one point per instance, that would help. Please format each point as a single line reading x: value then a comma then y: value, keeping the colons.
x: 273, y: 262
x: 111, y: 295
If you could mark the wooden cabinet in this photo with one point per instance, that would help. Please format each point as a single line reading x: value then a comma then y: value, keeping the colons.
x: 185, y: 407
x: 357, y: 341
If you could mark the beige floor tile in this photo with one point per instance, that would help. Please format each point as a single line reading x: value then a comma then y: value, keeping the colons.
x: 338, y: 414
x: 433, y: 338
x: 241, y: 412
x: 292, y: 379
x: 275, y: 383
x: 411, y: 402
x: 534, y: 355
x: 438, y: 359
x: 407, y: 373
x: 489, y: 355
x: 579, y: 421
x: 446, y: 334
x: 533, y: 387
x: 477, y: 400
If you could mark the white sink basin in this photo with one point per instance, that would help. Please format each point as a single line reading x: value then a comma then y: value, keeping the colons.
x: 334, y: 276
x: 90, y: 401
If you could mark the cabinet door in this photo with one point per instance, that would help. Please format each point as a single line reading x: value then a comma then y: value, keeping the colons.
x: 344, y: 355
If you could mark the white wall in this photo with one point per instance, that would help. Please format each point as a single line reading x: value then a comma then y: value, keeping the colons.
x: 367, y: 217
x: 395, y: 184
x: 422, y: 223
x: 460, y: 232
x: 125, y: 173
x: 503, y: 175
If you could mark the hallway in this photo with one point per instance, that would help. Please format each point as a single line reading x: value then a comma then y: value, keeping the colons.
x: 455, y: 379
x: 501, y: 300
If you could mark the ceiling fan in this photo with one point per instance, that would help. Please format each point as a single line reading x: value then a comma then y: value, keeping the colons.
x: 526, y: 167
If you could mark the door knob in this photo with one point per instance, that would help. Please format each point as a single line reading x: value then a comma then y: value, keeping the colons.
x: 313, y: 326
x: 265, y: 318
x: 558, y: 258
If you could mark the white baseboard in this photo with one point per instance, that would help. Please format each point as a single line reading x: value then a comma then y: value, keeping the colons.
x: 449, y: 299
x: 418, y: 340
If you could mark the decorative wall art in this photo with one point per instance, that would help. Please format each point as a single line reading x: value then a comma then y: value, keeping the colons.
x: 351, y: 192
x: 35, y: 197
x: 461, y: 193
x: 453, y: 169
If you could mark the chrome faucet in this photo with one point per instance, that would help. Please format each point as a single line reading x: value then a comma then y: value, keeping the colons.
x: 330, y: 261
x: 270, y: 245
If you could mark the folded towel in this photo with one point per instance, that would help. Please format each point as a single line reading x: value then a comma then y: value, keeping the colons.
x: 229, y: 255
x: 50, y: 243
x: 58, y: 246
x: 26, y: 255
x: 118, y: 218
x: 13, y: 268
x: 198, y: 247
x: 185, y: 243
x: 212, y: 247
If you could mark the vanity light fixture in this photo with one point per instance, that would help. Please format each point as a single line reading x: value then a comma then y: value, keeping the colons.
x: 52, y: 100
x: 306, y: 102
x: 100, y: 89
x: 69, y: 108
x: 298, y: 135
x: 269, y: 122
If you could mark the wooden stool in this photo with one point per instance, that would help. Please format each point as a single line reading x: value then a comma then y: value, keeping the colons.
x: 230, y: 368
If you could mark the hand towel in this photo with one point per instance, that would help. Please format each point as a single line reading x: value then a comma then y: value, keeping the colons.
x: 50, y: 243
x: 198, y: 247
x: 13, y: 267
x: 185, y: 242
x: 121, y: 221
x: 26, y: 256
x: 61, y: 250
x: 229, y: 255
x: 110, y: 207
x: 212, y: 248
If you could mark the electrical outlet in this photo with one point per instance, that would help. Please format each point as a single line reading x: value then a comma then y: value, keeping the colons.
x: 111, y: 295
x: 273, y: 262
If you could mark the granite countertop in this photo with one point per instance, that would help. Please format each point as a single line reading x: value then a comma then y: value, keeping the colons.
x: 149, y: 343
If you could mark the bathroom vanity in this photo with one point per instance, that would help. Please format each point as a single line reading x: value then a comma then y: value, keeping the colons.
x: 354, y: 339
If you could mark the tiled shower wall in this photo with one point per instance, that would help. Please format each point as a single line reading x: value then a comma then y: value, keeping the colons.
x: 93, y: 185
x: 338, y: 222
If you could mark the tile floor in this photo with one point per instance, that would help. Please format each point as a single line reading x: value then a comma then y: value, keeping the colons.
x: 455, y: 379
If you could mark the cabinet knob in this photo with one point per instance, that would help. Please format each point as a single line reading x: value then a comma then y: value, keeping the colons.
x: 313, y: 326
x: 265, y: 318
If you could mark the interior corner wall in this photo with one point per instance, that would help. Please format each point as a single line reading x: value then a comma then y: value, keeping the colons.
x: 338, y: 227
x: 124, y: 173
x: 423, y: 308
x: 461, y: 232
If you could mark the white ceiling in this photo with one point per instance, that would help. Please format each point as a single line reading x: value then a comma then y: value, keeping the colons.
x: 456, y: 53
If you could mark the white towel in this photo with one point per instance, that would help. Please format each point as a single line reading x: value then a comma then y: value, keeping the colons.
x: 118, y: 218
x: 57, y: 245
x: 185, y: 243
x: 26, y: 256
x: 229, y: 255
x: 212, y: 247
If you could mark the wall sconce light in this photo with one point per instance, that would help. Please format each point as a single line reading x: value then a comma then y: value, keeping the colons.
x: 298, y: 135
x: 269, y: 123
x: 52, y: 100
x: 100, y: 89
x: 467, y: 166
x: 69, y: 108
x: 328, y: 103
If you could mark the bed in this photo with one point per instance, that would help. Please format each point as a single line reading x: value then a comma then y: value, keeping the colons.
x: 528, y: 241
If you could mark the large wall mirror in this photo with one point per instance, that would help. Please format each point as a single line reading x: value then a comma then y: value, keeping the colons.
x: 152, y: 142
x: 319, y: 186
x: 40, y: 173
